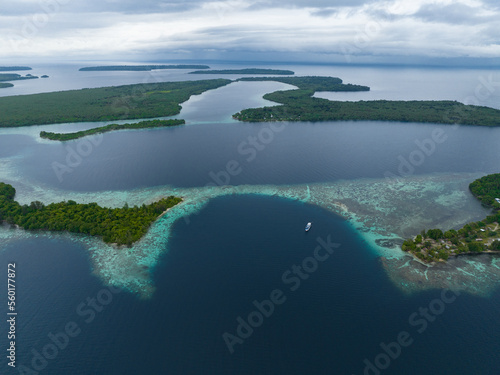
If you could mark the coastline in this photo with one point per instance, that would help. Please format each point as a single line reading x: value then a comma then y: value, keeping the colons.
x: 372, y: 208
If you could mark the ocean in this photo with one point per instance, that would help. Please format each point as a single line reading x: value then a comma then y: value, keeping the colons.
x: 232, y: 284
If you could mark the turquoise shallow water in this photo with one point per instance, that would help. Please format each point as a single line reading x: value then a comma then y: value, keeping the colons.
x: 383, y: 213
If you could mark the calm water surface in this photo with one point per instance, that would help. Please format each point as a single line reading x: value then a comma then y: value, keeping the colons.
x: 238, y: 248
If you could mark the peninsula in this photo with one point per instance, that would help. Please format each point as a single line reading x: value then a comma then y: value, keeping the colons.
x: 121, y: 226
x: 4, y: 85
x: 245, y: 71
x: 137, y: 101
x: 483, y: 236
x: 142, y: 101
x: 133, y: 68
x: 300, y: 105
x: 108, y: 128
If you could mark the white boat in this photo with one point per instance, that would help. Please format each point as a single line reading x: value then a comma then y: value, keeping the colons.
x: 308, y: 226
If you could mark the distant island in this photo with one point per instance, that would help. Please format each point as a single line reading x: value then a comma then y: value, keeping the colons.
x: 120, y: 226
x: 44, y: 76
x: 15, y: 77
x: 245, y: 71
x: 139, y: 67
x: 13, y: 68
x: 473, y: 238
x: 139, y: 101
x: 112, y: 127
x: 300, y: 105
x: 4, y: 85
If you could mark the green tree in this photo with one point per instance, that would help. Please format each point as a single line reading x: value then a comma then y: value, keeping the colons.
x: 476, y: 247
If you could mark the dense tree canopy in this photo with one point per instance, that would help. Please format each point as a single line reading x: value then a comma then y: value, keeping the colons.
x: 300, y: 105
x: 486, y: 189
x: 14, y: 77
x: 473, y: 237
x: 102, y: 104
x: 109, y: 128
x: 122, y: 226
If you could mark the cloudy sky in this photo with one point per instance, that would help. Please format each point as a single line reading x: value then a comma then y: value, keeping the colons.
x: 304, y: 30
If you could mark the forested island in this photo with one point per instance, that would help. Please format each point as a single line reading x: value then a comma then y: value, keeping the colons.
x: 102, y: 104
x: 15, y: 77
x: 13, y: 68
x: 112, y: 127
x: 246, y: 71
x: 121, y: 226
x: 482, y: 236
x: 141, y: 101
x: 299, y: 105
x: 135, y: 68
x: 12, y: 77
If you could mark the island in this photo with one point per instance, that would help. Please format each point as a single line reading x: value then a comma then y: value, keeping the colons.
x: 152, y: 100
x: 300, y: 105
x: 15, y: 77
x: 245, y: 71
x: 44, y: 76
x: 138, y: 101
x: 108, y: 128
x: 120, y: 226
x: 483, y: 236
x: 4, y: 85
x: 13, y: 68
x: 140, y: 68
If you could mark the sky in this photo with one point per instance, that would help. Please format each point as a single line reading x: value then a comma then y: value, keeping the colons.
x: 342, y: 31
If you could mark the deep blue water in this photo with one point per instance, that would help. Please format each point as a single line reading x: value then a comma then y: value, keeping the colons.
x: 237, y: 249
x: 333, y: 321
x: 301, y: 153
x: 190, y: 156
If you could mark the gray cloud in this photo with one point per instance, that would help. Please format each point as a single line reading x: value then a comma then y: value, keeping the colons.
x: 457, y: 14
x: 328, y: 4
x: 324, y: 12
x: 10, y: 8
x: 311, y: 27
x: 98, y: 6
x: 493, y: 4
